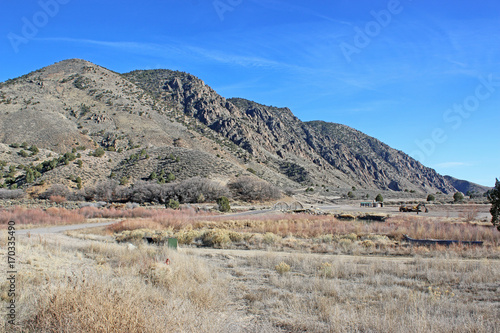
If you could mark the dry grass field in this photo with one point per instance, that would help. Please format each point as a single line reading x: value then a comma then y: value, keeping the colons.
x: 272, y: 273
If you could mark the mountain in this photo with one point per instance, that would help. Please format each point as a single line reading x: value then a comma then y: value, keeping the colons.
x: 465, y: 186
x: 152, y: 120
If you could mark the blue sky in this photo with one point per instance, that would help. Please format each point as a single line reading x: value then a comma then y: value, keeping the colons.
x: 422, y: 76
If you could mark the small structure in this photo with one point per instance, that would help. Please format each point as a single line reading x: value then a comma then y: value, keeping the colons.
x: 296, y: 206
x: 293, y: 206
x: 171, y: 242
x: 373, y: 204
x: 283, y: 206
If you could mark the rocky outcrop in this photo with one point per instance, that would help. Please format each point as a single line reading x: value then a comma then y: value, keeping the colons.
x: 276, y: 134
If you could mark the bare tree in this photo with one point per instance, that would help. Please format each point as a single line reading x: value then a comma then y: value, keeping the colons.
x: 251, y: 189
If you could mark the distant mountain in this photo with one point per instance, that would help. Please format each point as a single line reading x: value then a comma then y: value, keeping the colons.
x: 465, y: 186
x: 154, y: 120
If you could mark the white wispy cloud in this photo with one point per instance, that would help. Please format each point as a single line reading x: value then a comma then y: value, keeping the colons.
x: 136, y: 47
x: 175, y: 48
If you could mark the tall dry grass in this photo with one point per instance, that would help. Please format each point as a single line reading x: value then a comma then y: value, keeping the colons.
x: 328, y: 294
x: 69, y: 286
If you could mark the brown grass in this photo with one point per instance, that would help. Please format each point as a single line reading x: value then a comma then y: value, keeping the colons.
x: 469, y: 213
x: 329, y: 294
x: 134, y: 224
x: 70, y: 286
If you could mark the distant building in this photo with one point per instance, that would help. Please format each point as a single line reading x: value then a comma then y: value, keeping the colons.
x: 371, y: 204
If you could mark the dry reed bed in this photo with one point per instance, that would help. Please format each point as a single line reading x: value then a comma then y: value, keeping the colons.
x: 293, y: 228
x: 309, y: 226
x: 281, y: 224
x: 60, y: 216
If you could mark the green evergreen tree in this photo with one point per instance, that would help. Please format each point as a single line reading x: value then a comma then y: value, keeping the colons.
x: 458, y: 196
x: 30, y: 177
x: 34, y: 150
x: 223, y: 203
x: 494, y: 198
x: 172, y: 204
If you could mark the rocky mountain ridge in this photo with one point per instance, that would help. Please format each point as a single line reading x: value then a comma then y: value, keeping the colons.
x: 164, y: 113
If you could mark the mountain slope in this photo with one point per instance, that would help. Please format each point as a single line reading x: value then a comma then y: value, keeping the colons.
x: 465, y: 186
x: 149, y: 121
x: 367, y: 158
x: 332, y: 153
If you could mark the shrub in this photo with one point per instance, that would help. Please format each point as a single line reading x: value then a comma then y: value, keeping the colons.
x: 252, y: 171
x: 223, y: 203
x: 99, y: 152
x: 23, y: 153
x: 235, y: 236
x: 104, y: 191
x: 270, y: 238
x: 200, y: 198
x: 458, y: 196
x: 189, y: 190
x: 34, y: 150
x: 326, y: 270
x: 10, y: 194
x: 379, y: 198
x: 55, y: 190
x: 431, y: 197
x: 30, y: 176
x: 124, y: 180
x: 282, y: 268
x: 172, y: 204
x: 187, y: 236
x: 57, y: 198
x: 142, y: 192
x: 216, y: 238
x: 345, y: 243
x: 368, y: 243
x: 351, y: 195
x: 251, y: 189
